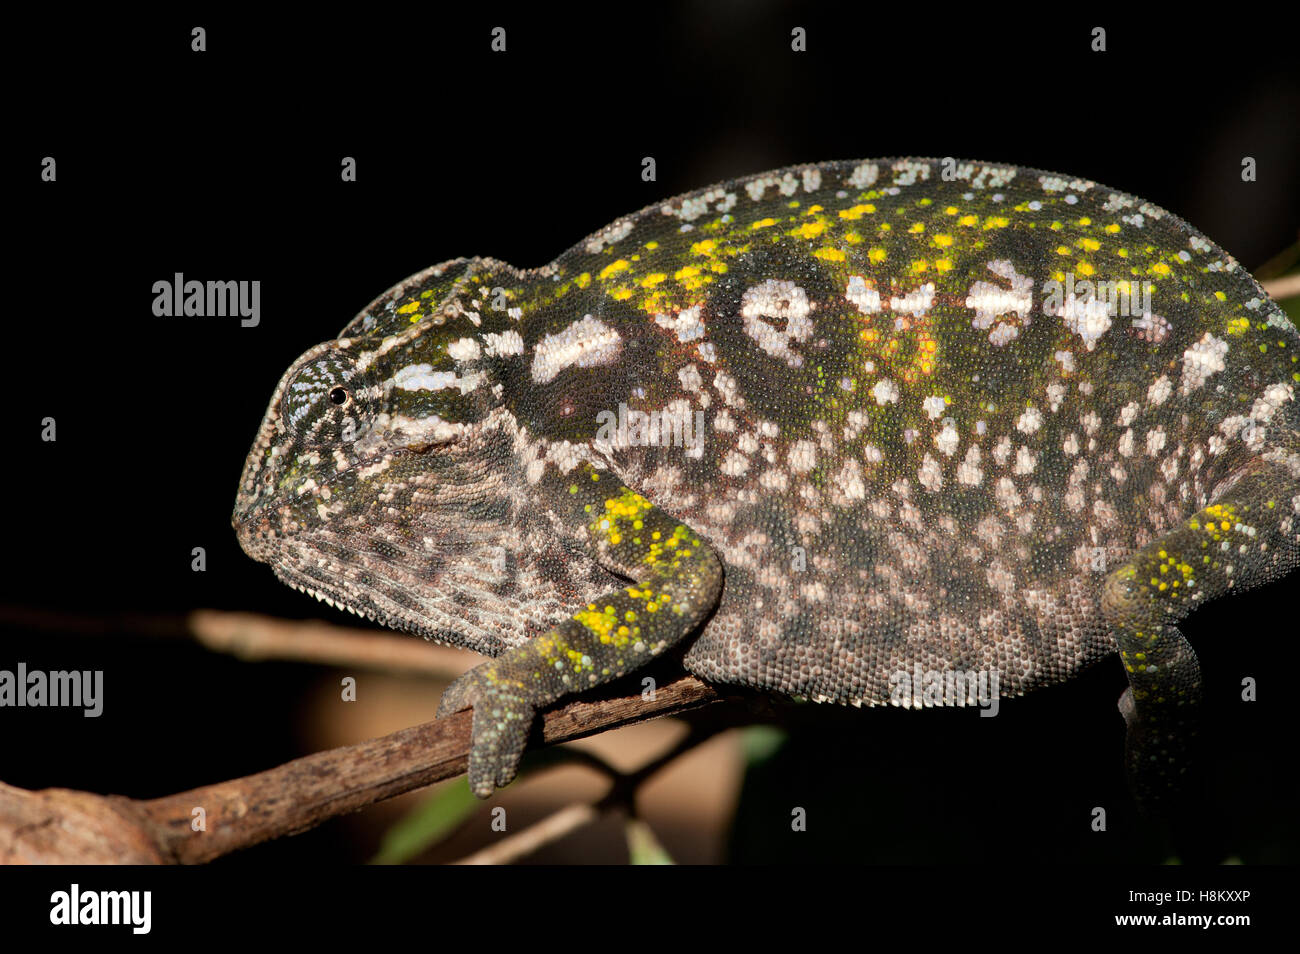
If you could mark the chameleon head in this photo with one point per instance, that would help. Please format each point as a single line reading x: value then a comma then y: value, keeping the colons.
x: 382, y: 477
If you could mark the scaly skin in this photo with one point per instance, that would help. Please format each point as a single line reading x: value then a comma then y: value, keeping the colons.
x: 914, y: 448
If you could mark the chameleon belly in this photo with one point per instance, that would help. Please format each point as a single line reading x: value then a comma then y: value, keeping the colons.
x: 921, y: 413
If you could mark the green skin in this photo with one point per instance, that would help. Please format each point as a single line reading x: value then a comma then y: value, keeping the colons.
x: 912, y: 453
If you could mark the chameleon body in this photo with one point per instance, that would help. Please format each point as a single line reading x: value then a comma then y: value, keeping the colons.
x: 815, y: 427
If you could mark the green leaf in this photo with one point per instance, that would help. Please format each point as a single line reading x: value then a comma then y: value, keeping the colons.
x: 427, y: 824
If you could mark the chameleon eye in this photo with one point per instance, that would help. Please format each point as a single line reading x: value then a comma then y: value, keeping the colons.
x: 325, y: 401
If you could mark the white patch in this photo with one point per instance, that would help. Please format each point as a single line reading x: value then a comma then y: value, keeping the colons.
x: 990, y: 302
x: 1275, y: 395
x: 728, y: 388
x: 503, y: 345
x: 803, y: 456
x: 707, y: 352
x: 864, y: 176
x: 1006, y: 494
x: 464, y: 349
x: 1025, y: 461
x: 747, y: 443
x: 1155, y: 441
x: 872, y: 454
x: 586, y: 343
x: 934, y: 407
x: 1002, y: 450
x: 1128, y: 413
x: 687, y: 324
x: 1160, y: 390
x: 1088, y: 319
x: 930, y: 474
x: 915, y: 303
x: 849, y: 480
x: 422, y: 377
x: 1202, y: 360
x: 690, y: 378
x: 1071, y: 445
x: 968, y: 471
x: 1126, y: 443
x: 735, y: 464
x: 1055, y: 396
x: 614, y: 233
x: 947, y: 439
x: 864, y: 299
x: 565, y: 456
x: 885, y: 392
x: 783, y: 300
x: 1066, y: 358
x: 723, y: 422
x: 774, y: 479
x: 1030, y: 421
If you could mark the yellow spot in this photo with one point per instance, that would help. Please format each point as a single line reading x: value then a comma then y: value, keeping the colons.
x: 1221, y: 296
x: 613, y: 268
x: 622, y: 293
x: 857, y: 211
x: 876, y: 254
x: 943, y: 264
x: 407, y: 309
x: 969, y: 220
x: 652, y: 245
x: 829, y: 254
x: 809, y: 230
x: 942, y: 241
x: 917, y: 227
x: 1112, y: 228
x: 1084, y: 268
x: 690, y: 271
x: 1089, y: 245
x: 583, y: 280
x: 704, y: 248
x: 1159, y: 268
x: 654, y: 279
x: 763, y: 223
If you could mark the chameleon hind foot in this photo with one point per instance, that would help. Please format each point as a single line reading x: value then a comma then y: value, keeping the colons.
x: 503, y: 716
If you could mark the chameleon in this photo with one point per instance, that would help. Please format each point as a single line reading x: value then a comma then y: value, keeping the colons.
x: 805, y: 430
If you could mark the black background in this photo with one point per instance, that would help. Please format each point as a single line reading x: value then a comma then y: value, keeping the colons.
x: 225, y: 165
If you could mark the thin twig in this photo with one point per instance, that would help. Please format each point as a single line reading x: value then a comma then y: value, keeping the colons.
x: 61, y: 826
x: 549, y: 829
x: 1284, y: 286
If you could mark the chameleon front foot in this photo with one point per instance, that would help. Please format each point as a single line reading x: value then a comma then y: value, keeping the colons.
x: 502, y: 719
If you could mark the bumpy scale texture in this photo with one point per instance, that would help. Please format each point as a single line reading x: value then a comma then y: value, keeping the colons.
x: 825, y: 424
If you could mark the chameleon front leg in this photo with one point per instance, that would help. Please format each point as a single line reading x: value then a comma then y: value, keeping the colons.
x: 676, y: 580
x: 1246, y: 538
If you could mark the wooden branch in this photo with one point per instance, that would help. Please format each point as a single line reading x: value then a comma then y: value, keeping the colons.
x: 62, y: 826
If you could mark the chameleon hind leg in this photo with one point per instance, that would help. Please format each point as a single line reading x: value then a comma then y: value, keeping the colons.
x: 676, y: 579
x: 1246, y: 538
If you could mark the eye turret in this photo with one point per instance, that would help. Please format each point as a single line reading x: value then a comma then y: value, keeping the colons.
x: 329, y: 401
